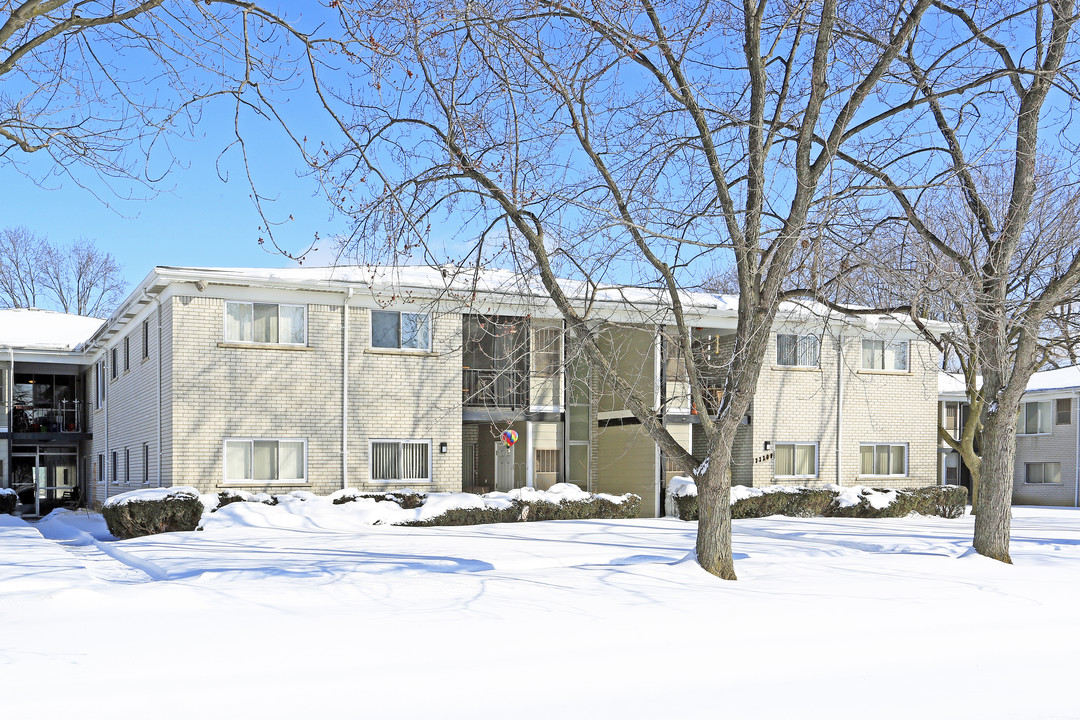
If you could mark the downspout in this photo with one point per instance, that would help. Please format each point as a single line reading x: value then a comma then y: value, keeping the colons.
x: 9, y: 416
x: 839, y: 406
x: 160, y: 435
x: 107, y: 397
x: 1076, y: 490
x: 345, y: 389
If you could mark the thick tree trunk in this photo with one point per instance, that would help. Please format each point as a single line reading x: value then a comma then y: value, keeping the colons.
x: 714, y: 519
x: 993, y: 512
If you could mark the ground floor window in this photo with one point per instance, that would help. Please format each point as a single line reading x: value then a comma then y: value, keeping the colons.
x: 1042, y: 473
x: 265, y: 460
x: 883, y: 459
x: 400, y: 460
x: 796, y: 459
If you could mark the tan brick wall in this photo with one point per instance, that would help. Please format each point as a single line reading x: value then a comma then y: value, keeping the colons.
x: 223, y: 391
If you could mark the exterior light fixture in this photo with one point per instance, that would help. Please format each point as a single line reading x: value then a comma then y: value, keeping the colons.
x: 442, y: 448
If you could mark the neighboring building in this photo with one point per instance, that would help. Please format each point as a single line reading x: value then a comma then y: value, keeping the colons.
x: 387, y: 378
x: 1047, y: 470
x: 44, y: 426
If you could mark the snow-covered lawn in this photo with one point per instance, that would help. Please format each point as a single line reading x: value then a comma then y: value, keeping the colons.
x: 594, y: 619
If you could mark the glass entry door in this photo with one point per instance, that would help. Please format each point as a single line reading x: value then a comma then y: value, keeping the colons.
x: 44, y: 477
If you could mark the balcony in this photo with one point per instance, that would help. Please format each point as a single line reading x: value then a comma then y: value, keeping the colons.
x: 495, y: 388
x: 65, y: 419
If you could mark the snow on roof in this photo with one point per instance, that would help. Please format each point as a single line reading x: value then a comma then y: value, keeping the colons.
x: 34, y: 329
x: 1056, y: 379
x: 951, y: 384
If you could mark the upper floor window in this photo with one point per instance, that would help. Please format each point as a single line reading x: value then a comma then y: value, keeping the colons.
x: 1063, y: 411
x: 99, y: 383
x: 884, y: 355
x: 127, y: 353
x: 115, y: 361
x: 265, y: 323
x: 954, y: 419
x: 146, y: 339
x: 401, y: 330
x: 3, y: 387
x: 797, y: 350
x: 1034, y: 418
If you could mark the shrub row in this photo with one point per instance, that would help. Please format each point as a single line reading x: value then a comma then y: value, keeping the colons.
x: 595, y: 508
x: 8, y: 501
x: 406, y: 499
x: 178, y: 511
x: 943, y: 501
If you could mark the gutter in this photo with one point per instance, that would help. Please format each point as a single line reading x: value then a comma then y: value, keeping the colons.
x: 345, y: 389
x: 839, y: 407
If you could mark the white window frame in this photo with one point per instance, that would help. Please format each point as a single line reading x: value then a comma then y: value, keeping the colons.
x: 1027, y: 473
x: 890, y: 445
x: 99, y: 384
x: 145, y: 339
x: 3, y: 393
x: 399, y: 348
x: 226, y: 480
x: 884, y: 345
x: 146, y: 463
x: 127, y: 353
x: 1058, y: 413
x: 127, y: 466
x: 795, y: 446
x: 399, y: 481
x: 261, y: 343
x: 1021, y: 419
x: 114, y: 359
x: 799, y: 340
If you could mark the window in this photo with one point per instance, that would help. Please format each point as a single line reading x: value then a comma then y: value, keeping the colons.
x: 400, y: 460
x: 547, y: 350
x: 114, y: 467
x: 883, y: 355
x: 1034, y: 418
x: 146, y: 339
x: 146, y: 464
x: 99, y: 384
x: 1063, y: 411
x: 402, y: 330
x: 258, y: 460
x: 954, y: 419
x: 115, y: 364
x: 796, y: 459
x: 127, y: 465
x: 127, y: 353
x: 546, y: 460
x: 797, y: 350
x: 3, y: 386
x: 1042, y: 473
x: 265, y: 323
x: 875, y: 459
x: 101, y: 469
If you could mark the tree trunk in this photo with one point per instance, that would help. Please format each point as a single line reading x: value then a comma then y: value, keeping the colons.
x: 714, y: 518
x: 993, y: 515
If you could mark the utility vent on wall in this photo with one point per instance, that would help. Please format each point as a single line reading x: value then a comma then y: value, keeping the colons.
x: 745, y: 420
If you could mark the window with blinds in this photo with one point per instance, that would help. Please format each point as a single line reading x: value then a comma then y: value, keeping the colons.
x: 400, y: 460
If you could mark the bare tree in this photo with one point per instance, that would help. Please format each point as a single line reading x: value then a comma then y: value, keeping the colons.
x: 77, y: 278
x: 102, y: 87
x: 637, y: 142
x: 966, y: 193
x: 21, y: 253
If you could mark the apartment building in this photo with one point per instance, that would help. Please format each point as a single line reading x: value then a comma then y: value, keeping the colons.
x: 389, y: 378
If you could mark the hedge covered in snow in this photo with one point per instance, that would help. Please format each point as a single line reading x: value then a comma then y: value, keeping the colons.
x: 857, y: 501
x: 149, y: 511
x: 9, y: 500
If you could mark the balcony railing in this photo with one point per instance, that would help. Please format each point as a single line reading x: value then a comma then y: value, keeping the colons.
x: 489, y: 387
x: 56, y: 420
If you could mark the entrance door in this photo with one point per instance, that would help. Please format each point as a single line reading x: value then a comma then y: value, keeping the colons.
x: 504, y: 467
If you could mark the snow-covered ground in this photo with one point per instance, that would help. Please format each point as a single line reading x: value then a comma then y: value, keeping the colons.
x: 830, y: 618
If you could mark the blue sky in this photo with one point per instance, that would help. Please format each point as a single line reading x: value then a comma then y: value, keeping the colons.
x: 194, y: 219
